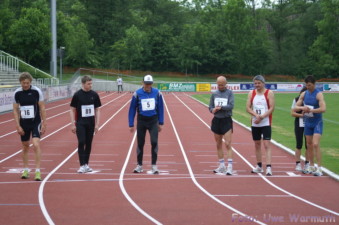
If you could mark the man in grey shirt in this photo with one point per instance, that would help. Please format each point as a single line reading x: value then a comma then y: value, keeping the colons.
x: 221, y: 105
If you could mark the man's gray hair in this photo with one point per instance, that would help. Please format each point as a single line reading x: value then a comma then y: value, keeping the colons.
x: 259, y: 77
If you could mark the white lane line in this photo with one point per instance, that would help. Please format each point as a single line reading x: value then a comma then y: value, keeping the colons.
x: 1, y: 161
x: 192, y: 174
x: 286, y: 149
x: 122, y: 187
x: 263, y: 177
x: 42, y: 185
x: 14, y: 154
x: 51, y: 117
x: 270, y: 196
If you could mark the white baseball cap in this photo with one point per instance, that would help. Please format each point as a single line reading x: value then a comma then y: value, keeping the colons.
x: 148, y: 79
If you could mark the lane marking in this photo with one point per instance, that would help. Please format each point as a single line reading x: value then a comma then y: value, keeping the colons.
x: 122, y: 187
x: 270, y: 196
x: 263, y: 177
x: 51, y: 117
x: 14, y: 154
x: 191, y: 171
x: 293, y: 174
x: 43, y: 183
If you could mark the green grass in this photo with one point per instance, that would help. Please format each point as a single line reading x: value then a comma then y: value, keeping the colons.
x: 283, y: 123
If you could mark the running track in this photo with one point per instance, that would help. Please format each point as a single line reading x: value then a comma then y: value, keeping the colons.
x: 185, y: 192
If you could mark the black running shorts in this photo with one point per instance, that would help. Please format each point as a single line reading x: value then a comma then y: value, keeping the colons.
x: 33, y: 129
x: 265, y: 132
x: 221, y: 125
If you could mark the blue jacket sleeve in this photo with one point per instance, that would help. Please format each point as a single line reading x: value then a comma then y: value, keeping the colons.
x: 160, y: 109
x: 132, y: 111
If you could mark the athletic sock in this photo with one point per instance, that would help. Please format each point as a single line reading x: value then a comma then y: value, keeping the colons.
x: 259, y: 164
x: 37, y: 170
x: 222, y: 162
x: 268, y: 165
x: 307, y: 162
x: 230, y: 162
x: 297, y: 162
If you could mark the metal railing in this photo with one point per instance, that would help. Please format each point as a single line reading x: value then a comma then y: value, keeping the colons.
x: 9, y: 63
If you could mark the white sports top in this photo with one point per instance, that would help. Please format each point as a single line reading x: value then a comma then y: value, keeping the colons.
x: 259, y: 105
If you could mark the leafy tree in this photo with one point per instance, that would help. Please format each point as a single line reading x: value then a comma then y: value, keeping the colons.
x: 119, y: 54
x: 29, y: 36
x: 324, y: 53
x: 135, y: 42
x: 6, y: 19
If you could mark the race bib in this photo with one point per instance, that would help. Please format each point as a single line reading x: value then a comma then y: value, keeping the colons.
x: 87, y: 110
x: 259, y: 109
x: 27, y: 112
x: 148, y: 104
x: 301, y: 122
x: 310, y: 114
x: 220, y: 102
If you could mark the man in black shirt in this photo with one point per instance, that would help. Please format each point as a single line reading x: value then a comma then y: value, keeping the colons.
x: 29, y: 110
x: 85, y: 116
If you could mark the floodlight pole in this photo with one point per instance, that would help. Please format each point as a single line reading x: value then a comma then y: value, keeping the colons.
x: 53, y: 64
x: 61, y: 54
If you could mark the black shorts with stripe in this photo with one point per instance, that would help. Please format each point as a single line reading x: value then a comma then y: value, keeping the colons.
x: 31, y: 129
x: 222, y: 125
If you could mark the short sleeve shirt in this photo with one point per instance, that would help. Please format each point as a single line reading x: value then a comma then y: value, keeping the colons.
x: 29, y: 107
x: 85, y: 103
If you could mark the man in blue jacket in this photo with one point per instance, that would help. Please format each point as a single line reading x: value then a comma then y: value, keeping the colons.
x: 148, y: 102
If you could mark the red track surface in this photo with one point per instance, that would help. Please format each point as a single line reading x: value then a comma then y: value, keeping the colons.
x: 185, y: 192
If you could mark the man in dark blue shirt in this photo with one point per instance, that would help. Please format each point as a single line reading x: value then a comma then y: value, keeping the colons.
x: 148, y: 102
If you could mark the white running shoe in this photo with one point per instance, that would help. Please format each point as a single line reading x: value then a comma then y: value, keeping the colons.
x: 314, y: 169
x: 318, y: 173
x: 229, y: 170
x: 268, y: 171
x: 154, y: 169
x: 220, y: 169
x: 138, y: 169
x: 88, y: 169
x: 82, y: 169
x: 257, y: 169
x: 298, y: 167
x: 306, y: 169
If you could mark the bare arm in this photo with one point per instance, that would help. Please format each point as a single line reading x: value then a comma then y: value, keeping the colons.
x: 249, y: 104
x: 72, y: 114
x: 16, y: 113
x: 97, y: 120
x: 298, y: 105
x: 271, y: 100
x: 43, y: 116
x: 322, y: 104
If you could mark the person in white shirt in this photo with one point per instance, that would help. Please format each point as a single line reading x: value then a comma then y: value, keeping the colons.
x: 119, y: 83
x: 260, y: 104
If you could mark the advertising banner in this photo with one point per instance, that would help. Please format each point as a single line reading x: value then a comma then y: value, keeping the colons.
x: 247, y: 87
x: 59, y: 92
x: 289, y: 87
x: 233, y: 87
x: 331, y: 87
x: 203, y: 87
x: 6, y: 101
x: 179, y: 87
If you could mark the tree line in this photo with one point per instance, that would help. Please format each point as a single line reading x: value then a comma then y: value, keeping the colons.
x: 292, y: 37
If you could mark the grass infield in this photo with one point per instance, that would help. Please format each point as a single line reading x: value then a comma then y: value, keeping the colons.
x: 283, y: 123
